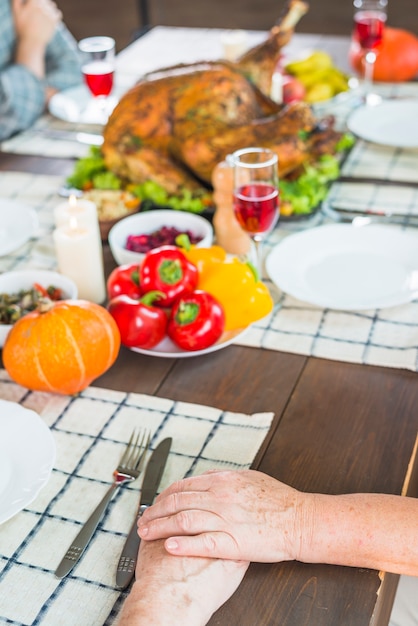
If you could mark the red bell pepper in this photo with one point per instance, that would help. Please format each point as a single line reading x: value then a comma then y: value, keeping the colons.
x: 141, y: 324
x: 167, y: 269
x: 124, y: 280
x: 197, y: 321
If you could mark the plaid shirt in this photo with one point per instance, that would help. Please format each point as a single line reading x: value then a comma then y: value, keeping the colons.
x: 22, y: 94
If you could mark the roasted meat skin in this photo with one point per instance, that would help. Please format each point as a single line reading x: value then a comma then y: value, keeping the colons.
x: 201, y: 152
x: 176, y: 124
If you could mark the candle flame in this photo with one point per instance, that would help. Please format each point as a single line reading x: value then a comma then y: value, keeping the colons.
x: 72, y: 200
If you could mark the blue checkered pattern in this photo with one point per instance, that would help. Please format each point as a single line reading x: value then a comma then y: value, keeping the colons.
x: 22, y: 94
x: 90, y: 433
x: 385, y: 337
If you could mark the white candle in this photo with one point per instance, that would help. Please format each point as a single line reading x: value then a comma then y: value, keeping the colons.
x: 79, y: 256
x: 276, y: 92
x: 84, y: 211
x: 234, y: 44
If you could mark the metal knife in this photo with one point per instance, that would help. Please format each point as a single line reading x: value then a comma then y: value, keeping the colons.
x: 152, y: 478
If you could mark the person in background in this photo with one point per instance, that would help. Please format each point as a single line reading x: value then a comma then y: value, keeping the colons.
x: 202, y: 531
x: 38, y: 57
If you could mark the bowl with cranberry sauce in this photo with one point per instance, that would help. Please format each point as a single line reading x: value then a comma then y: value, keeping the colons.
x: 133, y: 236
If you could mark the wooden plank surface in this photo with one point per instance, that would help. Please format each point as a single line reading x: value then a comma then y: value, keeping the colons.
x: 338, y: 427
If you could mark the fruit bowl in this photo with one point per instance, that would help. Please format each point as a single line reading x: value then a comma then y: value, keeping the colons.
x: 311, y: 75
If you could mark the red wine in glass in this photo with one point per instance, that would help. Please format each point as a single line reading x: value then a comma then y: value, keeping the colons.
x: 256, y: 207
x: 256, y: 196
x: 99, y: 77
x: 368, y: 28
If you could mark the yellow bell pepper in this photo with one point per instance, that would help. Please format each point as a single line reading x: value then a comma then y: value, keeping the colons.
x: 205, y: 258
x: 244, y: 298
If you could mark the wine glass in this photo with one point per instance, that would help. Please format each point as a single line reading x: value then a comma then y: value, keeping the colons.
x: 256, y: 195
x: 97, y: 65
x: 369, y: 23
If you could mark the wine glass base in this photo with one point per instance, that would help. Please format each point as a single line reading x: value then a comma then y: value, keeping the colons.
x: 372, y: 99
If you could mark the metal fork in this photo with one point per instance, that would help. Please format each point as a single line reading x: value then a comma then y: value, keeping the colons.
x: 129, y: 468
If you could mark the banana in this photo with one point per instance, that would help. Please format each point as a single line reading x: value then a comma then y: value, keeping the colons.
x: 318, y: 60
x: 319, y: 92
x: 321, y: 79
x: 338, y: 80
x: 311, y: 78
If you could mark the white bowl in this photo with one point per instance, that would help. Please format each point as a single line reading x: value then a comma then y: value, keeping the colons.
x: 151, y: 221
x: 13, y: 282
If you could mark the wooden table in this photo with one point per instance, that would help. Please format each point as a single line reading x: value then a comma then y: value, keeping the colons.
x: 338, y: 428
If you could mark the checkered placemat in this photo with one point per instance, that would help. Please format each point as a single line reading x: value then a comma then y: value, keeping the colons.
x: 385, y: 337
x: 90, y: 433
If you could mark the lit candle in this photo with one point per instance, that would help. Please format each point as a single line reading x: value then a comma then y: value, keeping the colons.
x: 234, y: 44
x: 79, y: 256
x: 84, y: 211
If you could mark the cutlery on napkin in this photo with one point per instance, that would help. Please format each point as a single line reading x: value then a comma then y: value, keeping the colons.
x: 152, y: 477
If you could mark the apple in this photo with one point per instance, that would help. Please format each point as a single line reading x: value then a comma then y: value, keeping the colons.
x: 293, y: 89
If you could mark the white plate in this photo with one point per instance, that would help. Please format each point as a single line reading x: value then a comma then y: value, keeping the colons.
x: 17, y: 225
x: 167, y: 349
x: 27, y: 456
x: 340, y: 266
x: 77, y: 105
x: 391, y: 123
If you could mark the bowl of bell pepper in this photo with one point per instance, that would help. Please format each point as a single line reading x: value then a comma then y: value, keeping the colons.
x: 185, y: 302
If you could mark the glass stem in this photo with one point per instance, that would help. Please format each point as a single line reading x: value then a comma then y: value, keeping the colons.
x: 369, y: 61
x: 258, y: 253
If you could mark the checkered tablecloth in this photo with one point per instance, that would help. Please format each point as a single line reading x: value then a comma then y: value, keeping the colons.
x: 90, y: 432
x: 386, y: 337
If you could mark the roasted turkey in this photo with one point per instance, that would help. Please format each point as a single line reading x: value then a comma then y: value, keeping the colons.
x: 176, y: 124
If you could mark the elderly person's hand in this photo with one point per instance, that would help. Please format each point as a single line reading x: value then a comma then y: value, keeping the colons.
x: 173, y: 590
x: 249, y: 515
x: 235, y: 515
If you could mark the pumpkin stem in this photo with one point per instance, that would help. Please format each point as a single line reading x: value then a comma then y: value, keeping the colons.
x: 45, y: 305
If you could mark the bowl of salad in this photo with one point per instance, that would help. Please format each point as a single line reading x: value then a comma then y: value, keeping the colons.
x: 21, y: 291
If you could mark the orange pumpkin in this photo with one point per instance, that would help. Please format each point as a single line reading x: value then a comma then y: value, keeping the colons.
x: 61, y: 347
x: 397, y: 60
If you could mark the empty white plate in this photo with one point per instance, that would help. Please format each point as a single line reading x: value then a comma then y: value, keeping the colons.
x: 78, y: 106
x: 340, y: 266
x: 27, y: 456
x: 17, y: 225
x: 390, y: 123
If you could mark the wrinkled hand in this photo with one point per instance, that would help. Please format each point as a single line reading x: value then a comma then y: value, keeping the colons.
x: 171, y: 590
x: 35, y: 20
x: 232, y: 515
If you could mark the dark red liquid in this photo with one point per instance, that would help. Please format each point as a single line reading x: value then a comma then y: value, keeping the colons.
x: 99, y: 78
x: 368, y: 28
x: 256, y: 207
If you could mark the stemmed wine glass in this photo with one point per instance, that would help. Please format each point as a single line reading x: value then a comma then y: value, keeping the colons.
x: 97, y: 65
x: 256, y: 195
x: 369, y: 23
